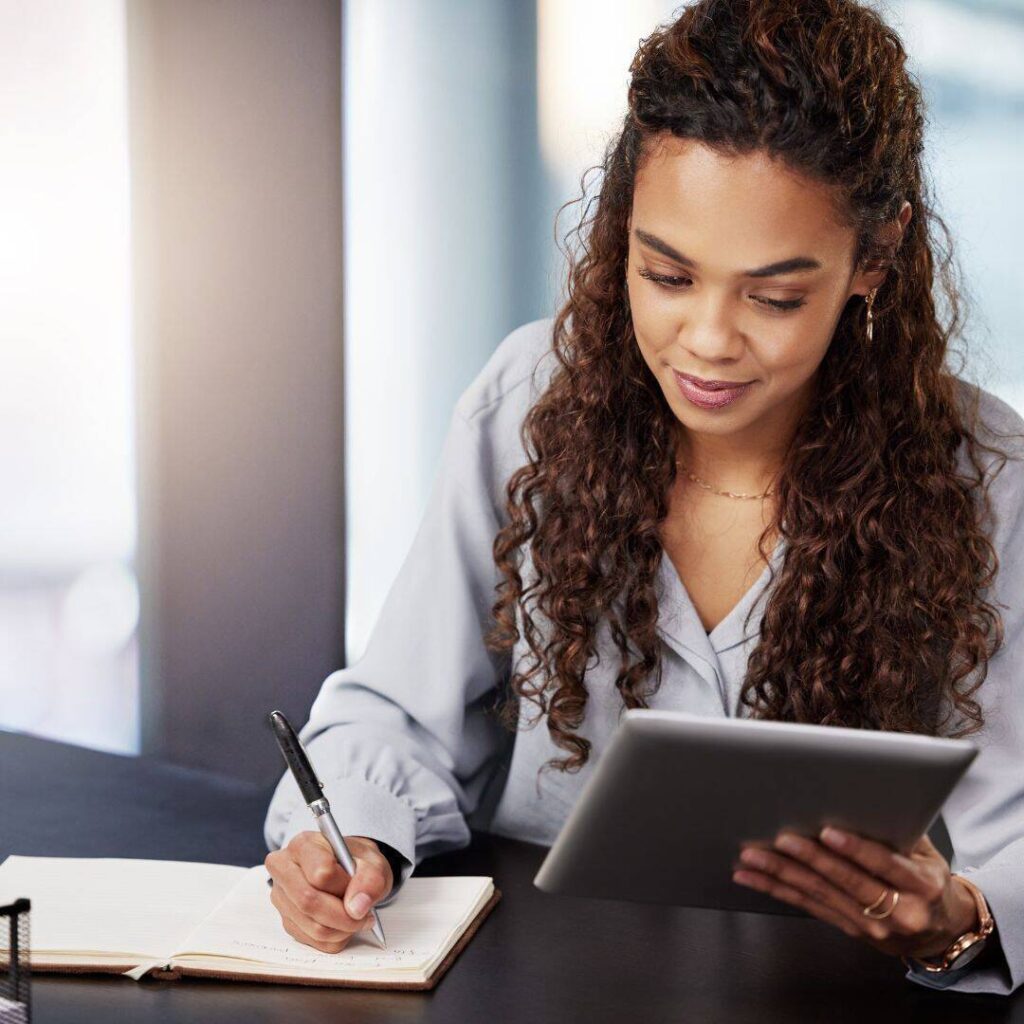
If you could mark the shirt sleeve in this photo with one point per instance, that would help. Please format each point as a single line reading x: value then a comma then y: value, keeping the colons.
x: 404, y: 739
x: 985, y: 813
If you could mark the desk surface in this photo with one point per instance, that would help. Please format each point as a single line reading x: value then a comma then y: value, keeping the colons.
x: 536, y: 958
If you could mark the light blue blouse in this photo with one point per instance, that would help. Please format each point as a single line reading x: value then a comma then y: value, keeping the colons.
x: 408, y: 756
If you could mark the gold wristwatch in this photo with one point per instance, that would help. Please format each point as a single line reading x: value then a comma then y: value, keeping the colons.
x: 964, y: 949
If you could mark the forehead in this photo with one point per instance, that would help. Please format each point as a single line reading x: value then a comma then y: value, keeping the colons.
x: 735, y: 211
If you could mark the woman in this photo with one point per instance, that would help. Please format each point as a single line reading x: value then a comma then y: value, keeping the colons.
x: 749, y: 377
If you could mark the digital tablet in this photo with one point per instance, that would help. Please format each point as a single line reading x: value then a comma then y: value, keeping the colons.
x: 663, y: 817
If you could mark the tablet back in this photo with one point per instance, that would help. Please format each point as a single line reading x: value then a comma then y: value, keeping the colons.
x: 663, y: 816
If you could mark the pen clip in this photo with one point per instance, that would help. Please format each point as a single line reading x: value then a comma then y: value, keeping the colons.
x: 296, y: 758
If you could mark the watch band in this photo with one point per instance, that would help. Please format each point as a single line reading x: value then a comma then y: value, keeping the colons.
x: 972, y: 939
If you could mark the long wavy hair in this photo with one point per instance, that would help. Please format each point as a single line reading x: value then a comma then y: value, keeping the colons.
x: 878, y: 618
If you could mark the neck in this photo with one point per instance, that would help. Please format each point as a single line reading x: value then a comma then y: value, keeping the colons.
x: 728, y: 469
x: 746, y: 461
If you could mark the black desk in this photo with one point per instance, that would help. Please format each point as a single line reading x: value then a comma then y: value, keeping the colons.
x: 537, y: 958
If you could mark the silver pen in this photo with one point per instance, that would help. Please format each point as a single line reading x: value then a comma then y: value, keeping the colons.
x: 312, y: 792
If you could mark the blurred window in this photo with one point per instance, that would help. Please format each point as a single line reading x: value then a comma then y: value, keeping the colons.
x: 68, y: 597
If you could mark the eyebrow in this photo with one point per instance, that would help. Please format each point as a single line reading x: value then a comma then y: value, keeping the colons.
x: 771, y: 270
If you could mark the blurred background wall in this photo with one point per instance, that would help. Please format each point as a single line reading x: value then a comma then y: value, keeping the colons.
x: 251, y: 251
x: 236, y: 238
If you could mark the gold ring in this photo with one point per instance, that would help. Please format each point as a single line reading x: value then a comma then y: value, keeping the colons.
x: 870, y: 911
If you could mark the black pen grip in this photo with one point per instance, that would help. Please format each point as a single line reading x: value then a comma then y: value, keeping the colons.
x: 295, y: 757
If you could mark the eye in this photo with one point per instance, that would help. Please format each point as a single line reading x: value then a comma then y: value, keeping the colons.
x: 678, y: 283
x: 672, y: 283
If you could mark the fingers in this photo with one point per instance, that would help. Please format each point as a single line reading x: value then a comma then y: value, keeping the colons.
x: 300, y: 936
x: 307, y: 929
x: 319, y: 904
x: 791, y: 877
x: 373, y: 879
x: 805, y: 873
x: 366, y: 849
x: 923, y: 874
x: 925, y: 847
x: 318, y: 864
x: 322, y: 870
x: 326, y: 909
x: 797, y: 898
x: 846, y: 876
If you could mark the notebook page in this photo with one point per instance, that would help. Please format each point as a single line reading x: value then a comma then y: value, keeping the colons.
x: 424, y: 921
x: 139, y: 908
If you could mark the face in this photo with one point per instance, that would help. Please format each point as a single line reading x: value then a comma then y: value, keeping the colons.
x: 738, y: 272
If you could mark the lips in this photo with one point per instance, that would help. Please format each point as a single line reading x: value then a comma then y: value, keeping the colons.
x: 712, y: 385
x: 709, y: 394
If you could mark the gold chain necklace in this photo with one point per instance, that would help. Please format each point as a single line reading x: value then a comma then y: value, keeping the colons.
x: 725, y: 494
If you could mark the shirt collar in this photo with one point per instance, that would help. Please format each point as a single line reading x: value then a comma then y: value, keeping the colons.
x: 680, y: 625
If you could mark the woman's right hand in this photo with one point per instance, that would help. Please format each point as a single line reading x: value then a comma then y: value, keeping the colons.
x: 315, y: 895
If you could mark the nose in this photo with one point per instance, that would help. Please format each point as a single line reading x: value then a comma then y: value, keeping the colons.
x: 709, y: 332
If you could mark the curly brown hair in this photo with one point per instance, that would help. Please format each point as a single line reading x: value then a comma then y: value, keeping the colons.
x: 879, y: 617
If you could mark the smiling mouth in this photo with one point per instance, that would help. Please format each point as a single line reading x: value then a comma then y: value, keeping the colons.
x: 712, y: 385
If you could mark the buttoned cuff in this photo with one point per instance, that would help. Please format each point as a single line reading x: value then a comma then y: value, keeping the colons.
x: 990, y: 974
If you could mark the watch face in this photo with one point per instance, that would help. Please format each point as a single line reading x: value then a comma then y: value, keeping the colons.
x: 967, y: 955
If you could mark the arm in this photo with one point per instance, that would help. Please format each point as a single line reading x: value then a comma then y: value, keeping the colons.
x: 985, y: 813
x: 985, y: 818
x: 836, y: 875
x: 401, y: 739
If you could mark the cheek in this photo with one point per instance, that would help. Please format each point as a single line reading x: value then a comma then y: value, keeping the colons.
x: 652, y: 354
x: 790, y: 352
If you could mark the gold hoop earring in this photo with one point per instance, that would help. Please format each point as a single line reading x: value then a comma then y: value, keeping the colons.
x: 870, y: 330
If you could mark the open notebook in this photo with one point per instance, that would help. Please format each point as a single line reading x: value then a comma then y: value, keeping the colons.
x: 174, y: 918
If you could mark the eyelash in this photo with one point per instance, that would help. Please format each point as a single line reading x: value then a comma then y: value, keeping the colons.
x: 674, y: 283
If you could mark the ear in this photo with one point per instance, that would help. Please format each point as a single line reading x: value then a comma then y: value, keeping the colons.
x: 889, y: 237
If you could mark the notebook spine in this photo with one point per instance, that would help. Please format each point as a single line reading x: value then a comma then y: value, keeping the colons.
x: 165, y: 973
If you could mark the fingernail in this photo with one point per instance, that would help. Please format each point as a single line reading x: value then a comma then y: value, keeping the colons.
x: 359, y: 905
x: 833, y: 837
x: 789, y: 844
x: 755, y: 858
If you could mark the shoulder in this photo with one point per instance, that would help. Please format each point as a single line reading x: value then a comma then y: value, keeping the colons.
x: 489, y: 414
x: 994, y: 420
x: 515, y: 374
x: 995, y: 423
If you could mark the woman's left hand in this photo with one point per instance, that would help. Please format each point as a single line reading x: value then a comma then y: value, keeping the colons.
x: 835, y: 876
